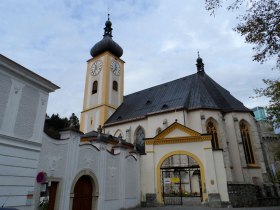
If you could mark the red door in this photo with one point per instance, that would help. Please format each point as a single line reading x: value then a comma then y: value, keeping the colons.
x: 83, y: 194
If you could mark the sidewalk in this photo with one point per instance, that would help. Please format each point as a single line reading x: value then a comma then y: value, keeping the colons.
x: 203, y: 208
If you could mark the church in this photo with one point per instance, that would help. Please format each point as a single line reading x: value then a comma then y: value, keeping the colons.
x: 186, y: 130
x: 184, y: 142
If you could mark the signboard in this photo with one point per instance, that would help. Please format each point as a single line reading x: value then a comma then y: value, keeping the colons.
x: 29, y: 198
x: 175, y: 179
x: 41, y: 177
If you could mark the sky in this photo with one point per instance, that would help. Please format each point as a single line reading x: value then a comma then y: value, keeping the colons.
x: 160, y: 40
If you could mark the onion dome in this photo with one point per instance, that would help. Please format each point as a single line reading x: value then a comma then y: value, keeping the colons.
x: 107, y: 43
x: 199, y: 64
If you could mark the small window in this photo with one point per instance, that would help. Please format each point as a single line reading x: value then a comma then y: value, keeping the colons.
x: 94, y: 87
x: 115, y: 85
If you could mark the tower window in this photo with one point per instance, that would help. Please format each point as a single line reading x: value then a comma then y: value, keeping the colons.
x: 246, y: 140
x: 94, y: 87
x: 211, y: 129
x: 115, y: 85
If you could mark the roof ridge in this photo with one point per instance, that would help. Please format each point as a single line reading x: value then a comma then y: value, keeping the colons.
x: 218, y: 90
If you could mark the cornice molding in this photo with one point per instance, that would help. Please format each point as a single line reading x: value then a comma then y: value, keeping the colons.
x: 20, y: 143
x: 178, y: 140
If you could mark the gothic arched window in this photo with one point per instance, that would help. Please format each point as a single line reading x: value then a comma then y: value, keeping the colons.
x: 115, y: 85
x: 94, y: 87
x: 212, y: 129
x: 140, y: 136
x: 246, y: 140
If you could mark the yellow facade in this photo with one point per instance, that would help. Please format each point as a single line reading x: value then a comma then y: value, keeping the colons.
x: 98, y: 106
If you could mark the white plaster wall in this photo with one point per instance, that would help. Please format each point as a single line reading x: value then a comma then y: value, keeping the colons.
x: 221, y: 174
x: 53, y: 161
x: 22, y: 107
x: 256, y: 146
x: 237, y: 174
x: 148, y: 176
x: 22, y: 113
x: 53, y: 156
x: 18, y: 169
x: 193, y: 121
x: 117, y: 178
x: 150, y: 124
x: 88, y: 158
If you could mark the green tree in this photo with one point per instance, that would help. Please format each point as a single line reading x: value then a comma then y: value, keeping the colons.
x: 54, y: 124
x: 74, y: 121
x: 260, y: 25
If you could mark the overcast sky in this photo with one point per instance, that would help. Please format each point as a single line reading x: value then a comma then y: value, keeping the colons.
x: 160, y: 39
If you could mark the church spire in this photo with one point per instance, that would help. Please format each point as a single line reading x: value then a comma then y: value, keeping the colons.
x: 108, y: 27
x: 199, y: 63
x: 107, y: 43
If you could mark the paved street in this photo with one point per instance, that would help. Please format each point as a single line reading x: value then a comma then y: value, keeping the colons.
x: 202, y: 208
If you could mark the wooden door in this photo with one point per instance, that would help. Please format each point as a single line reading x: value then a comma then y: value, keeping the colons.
x: 83, y: 194
x: 52, y: 195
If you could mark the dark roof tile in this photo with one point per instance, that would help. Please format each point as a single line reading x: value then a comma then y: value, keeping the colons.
x: 197, y: 91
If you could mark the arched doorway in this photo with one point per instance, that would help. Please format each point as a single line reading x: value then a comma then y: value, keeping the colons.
x: 83, y: 193
x: 180, y: 179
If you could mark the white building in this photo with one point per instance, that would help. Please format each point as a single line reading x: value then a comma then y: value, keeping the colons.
x: 23, y: 103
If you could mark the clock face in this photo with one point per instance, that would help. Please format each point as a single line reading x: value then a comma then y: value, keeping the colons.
x: 95, y: 68
x: 115, y: 68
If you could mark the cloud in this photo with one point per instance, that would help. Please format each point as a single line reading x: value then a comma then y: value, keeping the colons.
x: 160, y: 40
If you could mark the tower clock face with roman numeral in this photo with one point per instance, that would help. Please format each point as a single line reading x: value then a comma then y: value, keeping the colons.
x: 96, y: 67
x: 115, y: 68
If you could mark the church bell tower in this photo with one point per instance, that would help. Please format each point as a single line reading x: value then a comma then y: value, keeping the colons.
x: 104, y: 84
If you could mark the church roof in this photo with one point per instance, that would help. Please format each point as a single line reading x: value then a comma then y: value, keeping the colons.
x: 196, y: 91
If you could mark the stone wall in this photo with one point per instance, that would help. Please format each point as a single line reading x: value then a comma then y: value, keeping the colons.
x: 242, y: 195
x: 249, y: 195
